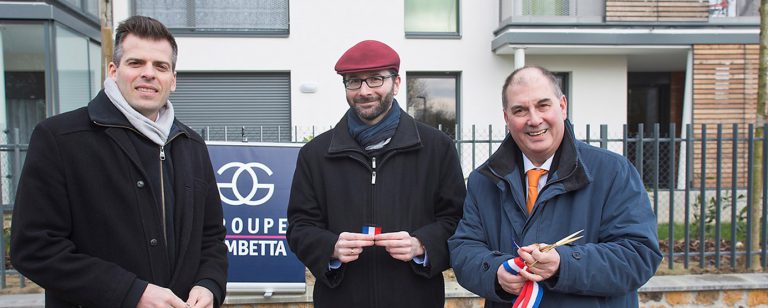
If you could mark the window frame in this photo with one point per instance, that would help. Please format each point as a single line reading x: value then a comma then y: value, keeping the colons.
x: 434, y: 35
x: 219, y: 32
x: 565, y: 78
x: 456, y: 76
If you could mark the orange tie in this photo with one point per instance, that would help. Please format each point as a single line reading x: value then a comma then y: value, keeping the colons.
x: 533, y: 187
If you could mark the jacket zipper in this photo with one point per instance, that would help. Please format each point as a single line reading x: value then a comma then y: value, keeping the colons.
x: 162, y: 184
x: 162, y: 191
x: 162, y: 178
x: 373, y: 219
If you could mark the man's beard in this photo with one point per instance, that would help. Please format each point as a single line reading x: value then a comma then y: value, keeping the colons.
x: 371, y: 114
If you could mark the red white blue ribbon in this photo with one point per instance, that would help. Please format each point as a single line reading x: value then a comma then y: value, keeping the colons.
x: 531, y: 294
x: 371, y: 230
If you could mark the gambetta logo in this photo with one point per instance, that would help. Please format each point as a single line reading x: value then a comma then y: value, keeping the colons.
x: 250, y: 169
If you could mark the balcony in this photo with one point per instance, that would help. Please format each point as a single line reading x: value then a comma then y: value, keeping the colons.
x: 601, y: 12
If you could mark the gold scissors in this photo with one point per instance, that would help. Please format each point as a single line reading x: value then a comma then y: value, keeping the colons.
x: 566, y: 240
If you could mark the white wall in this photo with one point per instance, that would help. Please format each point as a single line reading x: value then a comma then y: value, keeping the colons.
x: 598, y: 90
x: 322, y: 30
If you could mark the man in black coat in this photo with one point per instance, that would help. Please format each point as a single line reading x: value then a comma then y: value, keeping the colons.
x: 374, y: 200
x: 117, y: 205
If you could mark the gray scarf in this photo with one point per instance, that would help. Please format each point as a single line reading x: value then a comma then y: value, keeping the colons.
x: 157, y: 131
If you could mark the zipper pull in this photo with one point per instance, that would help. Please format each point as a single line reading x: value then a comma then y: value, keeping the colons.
x: 162, y: 152
x: 373, y: 172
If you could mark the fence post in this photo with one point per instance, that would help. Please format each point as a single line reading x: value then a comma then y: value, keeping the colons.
x: 750, y: 175
x: 764, y: 235
x: 688, y: 186
x: 474, y: 141
x: 656, y: 162
x: 16, y: 176
x: 702, y: 194
x: 625, y: 141
x: 640, y: 149
x: 672, y: 181
x: 604, y: 136
x: 734, y: 183
x: 718, y: 194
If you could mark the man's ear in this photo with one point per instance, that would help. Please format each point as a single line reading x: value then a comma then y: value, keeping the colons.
x: 112, y: 69
x: 396, y: 80
x: 564, y: 106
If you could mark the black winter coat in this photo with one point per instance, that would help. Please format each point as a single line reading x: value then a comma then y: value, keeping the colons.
x: 87, y: 227
x: 416, y: 186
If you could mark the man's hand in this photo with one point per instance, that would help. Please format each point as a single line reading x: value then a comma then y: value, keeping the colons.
x: 158, y: 297
x: 510, y: 283
x: 548, y: 262
x: 350, y: 245
x: 200, y: 297
x: 400, y: 245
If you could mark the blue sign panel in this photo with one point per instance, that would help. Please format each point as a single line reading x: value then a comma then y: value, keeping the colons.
x: 254, y: 183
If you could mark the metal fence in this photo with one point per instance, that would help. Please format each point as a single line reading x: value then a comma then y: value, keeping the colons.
x: 698, y: 180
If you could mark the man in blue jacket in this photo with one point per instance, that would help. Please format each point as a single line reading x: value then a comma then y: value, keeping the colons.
x: 540, y: 186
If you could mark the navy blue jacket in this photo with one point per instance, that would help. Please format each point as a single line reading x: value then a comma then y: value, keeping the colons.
x: 588, y: 188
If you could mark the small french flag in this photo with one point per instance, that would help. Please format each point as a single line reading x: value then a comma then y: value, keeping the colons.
x: 531, y: 294
x: 371, y: 230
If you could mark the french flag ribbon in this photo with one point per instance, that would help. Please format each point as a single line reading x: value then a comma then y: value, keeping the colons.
x: 530, y: 295
x: 371, y: 230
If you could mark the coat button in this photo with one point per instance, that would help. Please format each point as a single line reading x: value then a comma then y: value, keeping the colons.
x: 140, y: 184
x: 153, y: 242
x: 496, y: 253
x: 486, y: 266
x: 576, y: 255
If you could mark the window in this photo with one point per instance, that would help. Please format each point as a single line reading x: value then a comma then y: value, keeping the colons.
x: 546, y: 7
x: 433, y: 98
x: 91, y: 7
x: 229, y: 104
x: 563, y: 80
x: 78, y: 62
x: 432, y: 18
x: 23, y: 63
x: 263, y: 17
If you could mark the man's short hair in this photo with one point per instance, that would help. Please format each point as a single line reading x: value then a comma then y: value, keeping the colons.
x: 547, y: 74
x: 146, y: 28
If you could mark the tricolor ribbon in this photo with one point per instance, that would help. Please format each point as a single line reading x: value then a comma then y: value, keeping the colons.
x: 530, y: 295
x: 371, y: 230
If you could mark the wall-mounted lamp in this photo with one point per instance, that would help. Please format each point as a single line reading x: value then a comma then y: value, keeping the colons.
x: 309, y: 87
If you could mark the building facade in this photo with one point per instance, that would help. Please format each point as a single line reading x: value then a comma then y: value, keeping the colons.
x: 270, y: 62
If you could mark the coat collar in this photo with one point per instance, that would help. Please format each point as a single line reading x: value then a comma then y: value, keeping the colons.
x: 406, y: 137
x: 570, y: 171
x: 104, y: 113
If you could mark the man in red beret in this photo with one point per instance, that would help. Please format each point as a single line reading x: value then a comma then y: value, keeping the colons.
x: 375, y: 199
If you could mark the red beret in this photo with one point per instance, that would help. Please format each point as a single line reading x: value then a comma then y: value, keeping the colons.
x: 368, y: 56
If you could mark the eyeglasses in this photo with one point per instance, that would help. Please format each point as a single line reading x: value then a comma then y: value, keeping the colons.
x: 372, y: 82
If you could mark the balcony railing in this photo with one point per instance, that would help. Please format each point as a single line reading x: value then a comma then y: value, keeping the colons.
x: 629, y: 11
